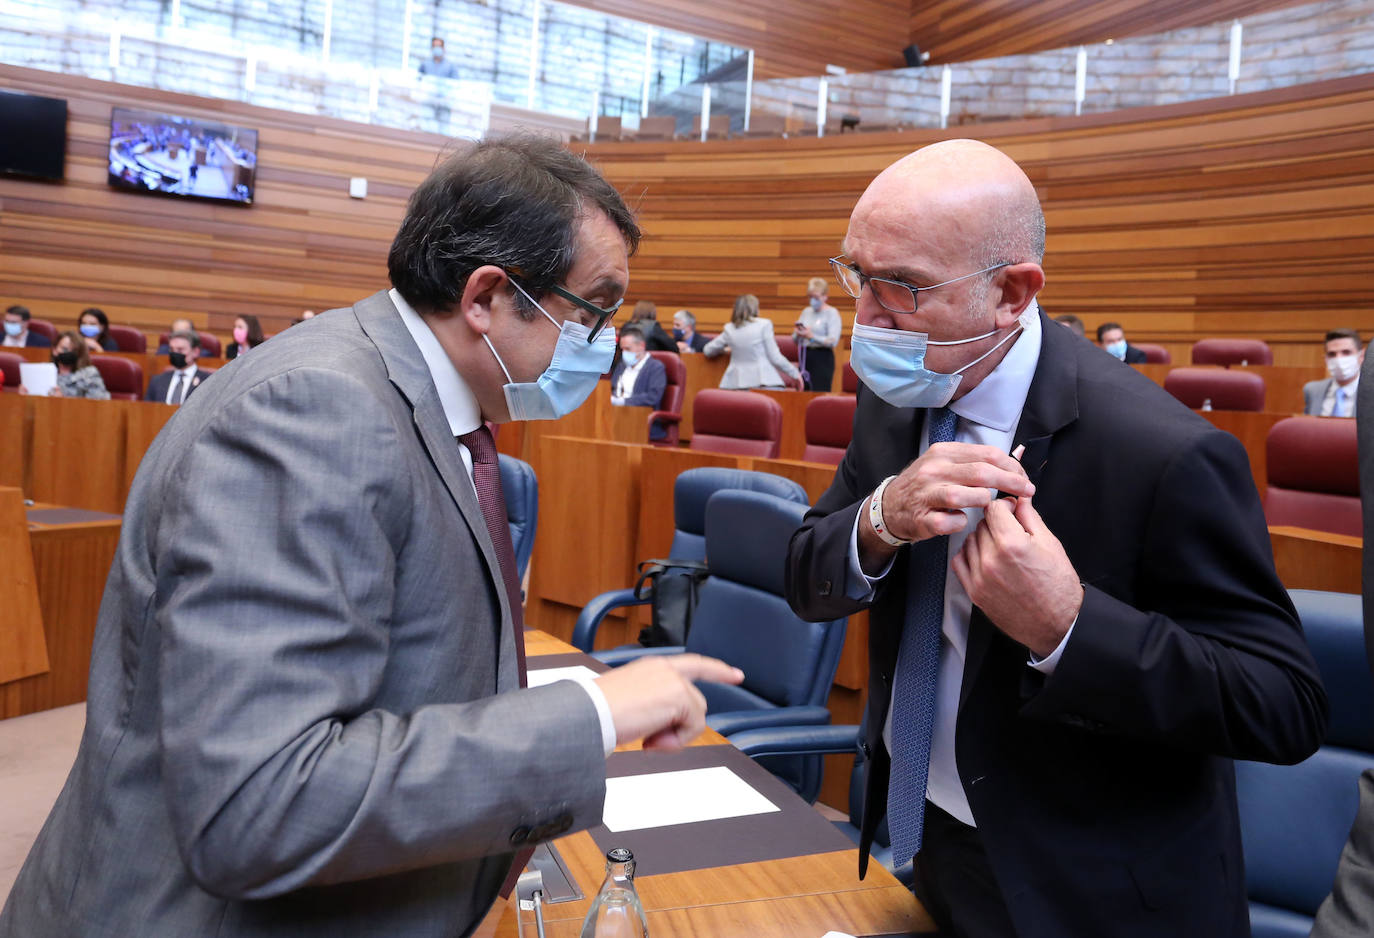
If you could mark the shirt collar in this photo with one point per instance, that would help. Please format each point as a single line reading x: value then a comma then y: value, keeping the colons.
x: 460, y: 405
x: 999, y: 398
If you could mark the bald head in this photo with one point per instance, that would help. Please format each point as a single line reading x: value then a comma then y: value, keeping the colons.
x: 974, y: 193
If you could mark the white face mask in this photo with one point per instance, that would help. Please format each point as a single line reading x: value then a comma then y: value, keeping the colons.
x: 1343, y: 367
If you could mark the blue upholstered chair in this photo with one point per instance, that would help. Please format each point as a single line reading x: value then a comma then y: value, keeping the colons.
x: 742, y: 618
x: 521, y: 490
x: 799, y: 741
x: 1295, y: 818
x: 691, y: 490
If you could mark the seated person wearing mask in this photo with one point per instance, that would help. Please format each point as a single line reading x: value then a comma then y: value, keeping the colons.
x: 76, y: 376
x: 17, y: 334
x: 638, y: 379
x: 178, y: 325
x: 685, y: 333
x: 1112, y: 338
x: 173, y: 387
x: 1335, y: 396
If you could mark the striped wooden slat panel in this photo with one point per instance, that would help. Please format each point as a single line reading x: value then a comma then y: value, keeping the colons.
x: 957, y: 31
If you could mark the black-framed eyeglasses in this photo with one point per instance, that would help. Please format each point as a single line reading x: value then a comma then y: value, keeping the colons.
x: 894, y: 295
x: 603, y: 316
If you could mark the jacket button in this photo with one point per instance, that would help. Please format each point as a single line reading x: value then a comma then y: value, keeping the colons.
x: 863, y: 747
x: 519, y: 837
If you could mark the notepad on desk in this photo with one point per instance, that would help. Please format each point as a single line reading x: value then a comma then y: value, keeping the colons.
x: 661, y: 799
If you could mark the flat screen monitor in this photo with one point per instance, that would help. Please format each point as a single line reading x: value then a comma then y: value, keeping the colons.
x: 182, y: 156
x: 33, y: 135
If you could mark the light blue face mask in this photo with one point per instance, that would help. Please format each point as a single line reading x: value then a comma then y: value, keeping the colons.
x: 629, y: 358
x: 892, y: 363
x: 14, y: 328
x: 1117, y: 350
x: 577, y: 365
x: 89, y: 331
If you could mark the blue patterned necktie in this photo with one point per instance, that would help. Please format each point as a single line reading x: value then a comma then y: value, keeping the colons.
x: 918, y: 664
x: 1341, y: 409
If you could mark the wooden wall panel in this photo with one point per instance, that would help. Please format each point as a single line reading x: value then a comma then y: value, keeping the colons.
x: 1246, y: 216
x: 146, y: 259
x: 956, y: 30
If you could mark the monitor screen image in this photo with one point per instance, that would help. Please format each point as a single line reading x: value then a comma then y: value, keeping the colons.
x: 182, y: 156
x: 33, y: 135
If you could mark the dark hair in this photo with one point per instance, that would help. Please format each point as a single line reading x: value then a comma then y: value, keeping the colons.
x: 255, y: 336
x: 100, y: 316
x: 1107, y: 327
x: 1073, y: 322
x: 21, y: 311
x: 83, y: 354
x: 511, y: 201
x: 188, y: 336
x: 1335, y: 334
x: 633, y: 332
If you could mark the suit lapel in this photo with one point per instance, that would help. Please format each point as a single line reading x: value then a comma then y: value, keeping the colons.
x: 1051, y: 405
x: 408, y: 372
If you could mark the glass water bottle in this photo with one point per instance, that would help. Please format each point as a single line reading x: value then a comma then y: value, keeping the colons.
x: 616, y: 912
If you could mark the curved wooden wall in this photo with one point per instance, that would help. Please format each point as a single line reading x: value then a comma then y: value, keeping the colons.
x: 1246, y: 216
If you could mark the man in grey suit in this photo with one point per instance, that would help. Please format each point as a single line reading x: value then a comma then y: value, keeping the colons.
x: 304, y: 714
x: 1336, y: 395
x: 1349, y: 911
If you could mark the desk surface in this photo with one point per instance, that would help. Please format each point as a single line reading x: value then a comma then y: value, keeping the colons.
x: 802, y: 896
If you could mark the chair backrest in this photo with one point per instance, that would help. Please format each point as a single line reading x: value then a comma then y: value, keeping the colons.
x: 9, y: 372
x: 521, y: 490
x: 739, y: 423
x: 123, y: 378
x: 674, y: 390
x: 43, y: 327
x: 1314, y: 475
x: 693, y: 490
x: 209, y: 345
x: 717, y: 129
x: 849, y: 381
x: 129, y: 339
x: 1226, y: 390
x: 829, y: 427
x: 656, y: 128
x: 607, y: 127
x: 1155, y: 354
x: 1232, y: 352
x: 1295, y: 819
x: 788, y: 346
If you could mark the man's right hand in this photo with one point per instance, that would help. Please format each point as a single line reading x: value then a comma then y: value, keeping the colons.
x: 653, y: 698
x: 928, y: 498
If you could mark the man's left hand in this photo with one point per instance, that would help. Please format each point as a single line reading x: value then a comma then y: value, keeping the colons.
x: 1016, y: 571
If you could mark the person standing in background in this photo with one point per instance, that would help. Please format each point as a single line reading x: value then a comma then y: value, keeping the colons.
x: 818, y: 333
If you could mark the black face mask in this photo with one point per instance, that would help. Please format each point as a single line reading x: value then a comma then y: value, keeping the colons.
x: 65, y: 359
x: 678, y: 335
x: 178, y: 360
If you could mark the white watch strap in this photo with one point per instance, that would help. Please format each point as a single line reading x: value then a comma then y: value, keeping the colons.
x: 875, y: 515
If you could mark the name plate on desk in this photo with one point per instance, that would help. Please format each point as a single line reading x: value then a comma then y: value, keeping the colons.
x: 791, y: 828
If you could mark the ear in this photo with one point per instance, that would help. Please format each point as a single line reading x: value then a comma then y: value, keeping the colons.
x: 485, y: 286
x: 1020, y: 283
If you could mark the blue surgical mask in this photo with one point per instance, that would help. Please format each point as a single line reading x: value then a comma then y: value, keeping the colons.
x: 90, y: 332
x: 1117, y: 350
x: 629, y: 358
x: 13, y: 328
x: 892, y: 363
x: 816, y: 303
x: 577, y: 365
x: 678, y: 335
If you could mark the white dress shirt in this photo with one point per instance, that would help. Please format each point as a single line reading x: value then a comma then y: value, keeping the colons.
x: 625, y: 384
x: 16, y: 341
x: 175, y: 394
x: 465, y: 415
x: 987, y: 415
x: 1346, y: 395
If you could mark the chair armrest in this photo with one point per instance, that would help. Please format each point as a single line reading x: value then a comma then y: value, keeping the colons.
x: 589, y: 619
x: 665, y: 416
x: 842, y: 739
x: 737, y: 721
x: 615, y: 657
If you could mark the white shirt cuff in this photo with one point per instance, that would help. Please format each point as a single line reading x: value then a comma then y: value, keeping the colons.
x: 603, y: 714
x: 1047, y: 664
x: 859, y: 585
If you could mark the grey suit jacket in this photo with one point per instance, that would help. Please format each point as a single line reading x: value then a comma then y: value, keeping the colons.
x: 755, y: 361
x: 1314, y: 392
x: 303, y: 716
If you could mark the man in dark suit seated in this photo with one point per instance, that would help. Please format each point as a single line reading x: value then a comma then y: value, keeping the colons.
x: 1058, y: 679
x: 1112, y: 338
x: 173, y: 387
x: 178, y: 325
x: 685, y: 333
x: 638, y: 379
x: 17, y: 334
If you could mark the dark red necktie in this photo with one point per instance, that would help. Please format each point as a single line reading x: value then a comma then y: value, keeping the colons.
x: 486, y: 478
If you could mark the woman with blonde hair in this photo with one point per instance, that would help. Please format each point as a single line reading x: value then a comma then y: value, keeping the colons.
x: 755, y: 361
x: 818, y: 333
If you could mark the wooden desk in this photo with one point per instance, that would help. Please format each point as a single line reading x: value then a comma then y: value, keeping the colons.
x: 1252, y: 429
x: 1317, y: 560
x: 802, y: 895
x: 71, y: 560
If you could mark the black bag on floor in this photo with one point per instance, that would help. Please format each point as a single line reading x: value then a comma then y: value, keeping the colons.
x: 672, y: 585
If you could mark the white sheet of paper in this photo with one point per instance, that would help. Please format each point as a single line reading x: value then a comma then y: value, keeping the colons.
x: 636, y: 802
x: 837, y: 934
x: 577, y: 672
x: 38, y: 378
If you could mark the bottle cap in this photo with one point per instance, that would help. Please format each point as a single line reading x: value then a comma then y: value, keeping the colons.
x: 620, y: 855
